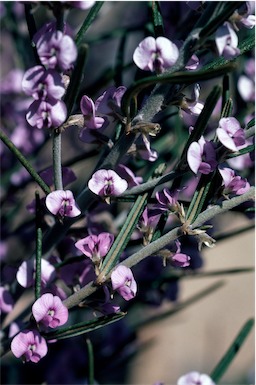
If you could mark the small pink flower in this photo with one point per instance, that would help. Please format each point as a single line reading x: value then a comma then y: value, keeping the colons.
x: 244, y: 16
x: 26, y: 272
x: 50, y: 311
x: 93, y: 125
x: 201, y: 156
x: 155, y: 54
x: 95, y: 246
x: 192, y: 105
x: 63, y: 203
x: 109, y: 103
x: 29, y: 345
x: 147, y: 223
x: 179, y: 259
x: 88, y: 110
x: 54, y: 48
x: 167, y: 200
x: 107, y: 183
x: 144, y: 150
x: 230, y: 133
x: 227, y: 41
x: 195, y: 378
x: 123, y: 282
x: 43, y: 84
x: 46, y: 114
x: 233, y: 184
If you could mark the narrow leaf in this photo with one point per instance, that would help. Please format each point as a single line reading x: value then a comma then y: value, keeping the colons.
x: 83, y: 327
x: 88, y: 21
x: 228, y: 357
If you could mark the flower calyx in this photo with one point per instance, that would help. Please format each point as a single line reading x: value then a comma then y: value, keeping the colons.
x: 201, y: 235
x: 146, y: 128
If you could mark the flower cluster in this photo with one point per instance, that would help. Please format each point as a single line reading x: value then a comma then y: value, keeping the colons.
x: 97, y: 116
x: 57, y: 52
x: 49, y: 312
x: 226, y: 38
x: 152, y: 151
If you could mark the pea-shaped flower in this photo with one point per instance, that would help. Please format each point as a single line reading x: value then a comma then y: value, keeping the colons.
x: 29, y: 345
x: 107, y: 183
x: 63, y: 203
x: 49, y: 311
x: 230, y: 133
x: 195, y: 378
x: 232, y: 183
x: 123, y: 282
x: 155, y: 54
x: 201, y: 156
x: 95, y: 246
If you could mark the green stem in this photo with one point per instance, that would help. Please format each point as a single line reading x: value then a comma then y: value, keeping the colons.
x: 228, y: 357
x: 88, y: 21
x: 25, y: 163
x: 91, y: 362
x: 56, y: 154
x: 173, y: 78
x: 39, y: 236
x: 123, y: 237
x: 160, y: 243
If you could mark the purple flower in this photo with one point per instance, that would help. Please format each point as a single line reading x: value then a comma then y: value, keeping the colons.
x: 109, y: 103
x: 107, y: 183
x: 167, y: 200
x: 242, y: 16
x: 95, y: 246
x: 54, y: 48
x: 50, y: 114
x: 233, y: 184
x: 126, y: 173
x: 155, y: 54
x: 123, y: 282
x: 191, y: 105
x: 26, y: 271
x: 143, y: 148
x: 176, y: 258
x: 226, y: 41
x: 201, y: 156
x: 93, y: 124
x: 88, y: 110
x: 63, y: 203
x: 180, y: 260
x: 29, y: 345
x: 230, y: 133
x: 50, y: 311
x: 147, y: 223
x: 6, y: 300
x: 43, y: 84
x: 193, y: 63
x: 195, y: 378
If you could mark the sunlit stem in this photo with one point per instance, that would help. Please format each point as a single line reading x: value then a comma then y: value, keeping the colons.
x: 56, y: 153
